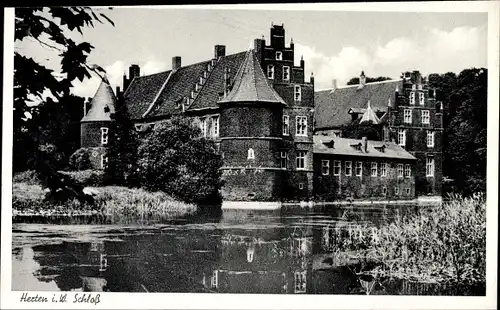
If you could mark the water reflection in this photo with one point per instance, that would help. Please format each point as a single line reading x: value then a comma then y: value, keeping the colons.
x: 272, y: 252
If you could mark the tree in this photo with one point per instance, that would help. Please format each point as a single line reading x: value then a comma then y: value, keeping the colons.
x: 122, y: 152
x: 355, y: 80
x: 33, y: 81
x: 174, y: 158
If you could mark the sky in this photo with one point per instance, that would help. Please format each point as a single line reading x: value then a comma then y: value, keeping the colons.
x: 334, y: 44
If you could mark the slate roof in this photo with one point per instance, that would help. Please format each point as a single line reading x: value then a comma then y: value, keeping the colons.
x: 141, y: 92
x: 343, y: 146
x: 102, y: 104
x: 171, y: 88
x: 332, y: 107
x: 209, y: 94
x: 251, y: 85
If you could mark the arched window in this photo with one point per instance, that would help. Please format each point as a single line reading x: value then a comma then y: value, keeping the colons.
x: 251, y: 154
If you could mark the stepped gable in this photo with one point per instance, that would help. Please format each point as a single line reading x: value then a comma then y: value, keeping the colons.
x: 344, y: 146
x: 251, y: 85
x: 332, y: 107
x: 102, y: 105
x: 214, y: 85
x: 141, y: 92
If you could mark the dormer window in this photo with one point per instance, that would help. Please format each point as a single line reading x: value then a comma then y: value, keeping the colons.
x: 251, y: 154
x: 330, y: 144
x: 106, y: 109
x: 270, y: 72
x: 104, y: 135
x: 279, y: 56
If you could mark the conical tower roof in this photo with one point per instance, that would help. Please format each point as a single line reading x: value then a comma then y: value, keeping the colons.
x: 369, y: 115
x: 251, y: 85
x: 102, y: 105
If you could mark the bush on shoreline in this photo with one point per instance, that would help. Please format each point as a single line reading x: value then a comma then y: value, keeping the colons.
x: 119, y: 204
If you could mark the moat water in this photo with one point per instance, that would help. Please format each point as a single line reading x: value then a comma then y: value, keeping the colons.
x: 274, y: 252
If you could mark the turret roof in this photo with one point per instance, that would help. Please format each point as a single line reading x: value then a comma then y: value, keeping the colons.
x: 102, y: 104
x: 251, y: 84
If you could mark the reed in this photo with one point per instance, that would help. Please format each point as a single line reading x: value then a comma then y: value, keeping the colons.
x: 438, y: 244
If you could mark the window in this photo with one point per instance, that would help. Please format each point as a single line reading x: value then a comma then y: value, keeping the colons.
x: 214, y: 280
x: 300, y: 281
x: 383, y: 169
x: 374, y: 169
x: 396, y: 191
x: 400, y: 171
x: 325, y: 167
x: 270, y: 72
x: 104, y: 161
x: 286, y: 125
x: 298, y: 93
x: 284, y: 159
x: 421, y: 98
x: 104, y: 135
x: 429, y: 167
x: 430, y: 138
x: 412, y: 98
x: 279, y: 56
x: 407, y: 116
x: 408, y: 191
x: 301, y: 129
x: 286, y: 73
x: 359, y: 168
x: 215, y: 126
x: 384, y: 191
x: 301, y: 159
x: 203, y: 126
x: 251, y: 154
x: 425, y: 117
x: 348, y: 168
x: 336, y: 167
x: 402, y: 137
x: 407, y: 171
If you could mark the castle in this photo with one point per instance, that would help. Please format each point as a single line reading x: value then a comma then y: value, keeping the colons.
x: 278, y: 137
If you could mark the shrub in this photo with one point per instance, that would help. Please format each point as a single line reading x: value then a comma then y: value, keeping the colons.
x: 175, y: 159
x: 87, y: 177
x: 80, y: 160
x: 28, y: 177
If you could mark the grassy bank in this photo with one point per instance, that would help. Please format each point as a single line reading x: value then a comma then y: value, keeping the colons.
x: 440, y: 244
x: 119, y: 204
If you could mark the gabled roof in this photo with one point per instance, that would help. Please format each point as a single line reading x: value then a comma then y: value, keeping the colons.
x: 347, y: 147
x: 251, y: 85
x: 162, y: 94
x: 102, y: 104
x: 141, y: 92
x: 369, y: 115
x: 332, y: 107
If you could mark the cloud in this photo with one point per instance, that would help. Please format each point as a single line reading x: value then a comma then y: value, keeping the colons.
x: 114, y: 73
x: 438, y: 51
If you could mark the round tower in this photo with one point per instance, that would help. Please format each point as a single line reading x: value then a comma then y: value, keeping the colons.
x: 97, y: 125
x: 251, y: 137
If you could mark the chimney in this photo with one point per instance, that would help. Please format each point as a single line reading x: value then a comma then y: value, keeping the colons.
x: 125, y: 81
x: 259, y: 45
x: 302, y: 61
x: 292, y: 45
x: 364, y: 144
x: 176, y: 62
x: 362, y: 79
x: 334, y: 84
x: 118, y: 91
x: 311, y: 79
x: 133, y: 71
x: 84, y: 107
x: 219, y: 51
